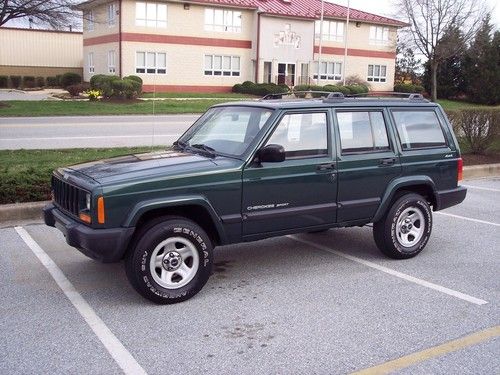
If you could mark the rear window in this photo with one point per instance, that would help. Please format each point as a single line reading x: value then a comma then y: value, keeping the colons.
x: 419, y: 129
x: 362, y: 132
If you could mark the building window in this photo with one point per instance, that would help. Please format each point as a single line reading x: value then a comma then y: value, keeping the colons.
x: 332, y: 30
x: 377, y: 73
x: 90, y: 20
x: 379, y: 35
x: 112, y: 14
x: 151, y: 62
x: 218, y: 65
x: 222, y: 20
x: 90, y: 62
x: 331, y: 71
x: 111, y: 62
x: 151, y: 14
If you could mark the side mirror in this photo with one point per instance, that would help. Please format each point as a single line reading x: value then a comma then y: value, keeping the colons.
x: 271, y: 154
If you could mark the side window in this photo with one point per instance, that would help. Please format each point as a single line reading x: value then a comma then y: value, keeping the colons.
x: 362, y: 132
x: 302, y: 135
x: 419, y: 129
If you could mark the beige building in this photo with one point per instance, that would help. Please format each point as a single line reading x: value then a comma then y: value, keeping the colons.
x: 210, y: 45
x: 40, y: 53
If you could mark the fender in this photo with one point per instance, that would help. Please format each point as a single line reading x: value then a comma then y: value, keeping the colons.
x: 189, y: 200
x: 398, y: 183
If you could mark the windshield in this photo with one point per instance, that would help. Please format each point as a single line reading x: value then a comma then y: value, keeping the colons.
x: 226, y: 130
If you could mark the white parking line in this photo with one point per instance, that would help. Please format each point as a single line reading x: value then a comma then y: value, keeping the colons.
x: 115, y: 348
x: 481, y: 188
x: 467, y: 218
x: 392, y: 272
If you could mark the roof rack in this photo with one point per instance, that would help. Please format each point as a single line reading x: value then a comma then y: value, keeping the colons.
x: 323, y: 94
x: 329, y: 96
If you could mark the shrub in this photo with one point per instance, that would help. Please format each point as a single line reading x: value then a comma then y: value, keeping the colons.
x: 59, y: 78
x: 4, y: 82
x: 15, y: 81
x: 409, y: 88
x: 68, y: 79
x: 259, y: 89
x: 94, y: 95
x: 52, y: 82
x: 29, y: 82
x: 476, y: 128
x: 40, y: 81
x: 76, y: 90
x: 112, y: 86
x: 134, y: 78
x: 358, y: 89
x: 238, y: 88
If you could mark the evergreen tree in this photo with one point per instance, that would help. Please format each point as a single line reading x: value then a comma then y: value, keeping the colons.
x: 407, y: 65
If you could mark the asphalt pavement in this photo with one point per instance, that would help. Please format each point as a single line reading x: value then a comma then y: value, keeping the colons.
x: 91, y: 131
x: 326, y: 303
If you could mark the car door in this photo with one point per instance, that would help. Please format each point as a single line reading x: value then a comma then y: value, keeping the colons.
x: 368, y: 161
x: 300, y: 191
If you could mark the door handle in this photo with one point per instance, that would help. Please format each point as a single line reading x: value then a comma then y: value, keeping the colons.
x: 326, y: 167
x: 387, y: 162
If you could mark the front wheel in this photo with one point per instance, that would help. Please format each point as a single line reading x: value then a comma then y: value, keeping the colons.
x: 171, y: 260
x: 405, y: 230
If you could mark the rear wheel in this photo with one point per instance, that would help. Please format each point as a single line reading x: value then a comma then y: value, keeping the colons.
x: 405, y: 230
x: 171, y: 260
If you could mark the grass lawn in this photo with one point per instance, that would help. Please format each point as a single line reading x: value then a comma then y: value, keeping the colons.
x: 25, y: 174
x: 453, y: 105
x: 225, y: 95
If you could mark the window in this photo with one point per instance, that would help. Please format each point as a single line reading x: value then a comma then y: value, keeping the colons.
x: 90, y: 62
x: 332, y: 30
x: 329, y: 71
x: 377, y: 73
x: 111, y: 14
x: 379, y: 35
x: 218, y: 65
x: 222, y: 20
x: 419, y: 129
x: 150, y: 14
x: 90, y: 20
x: 111, y: 62
x: 302, y: 135
x: 151, y: 62
x: 362, y: 132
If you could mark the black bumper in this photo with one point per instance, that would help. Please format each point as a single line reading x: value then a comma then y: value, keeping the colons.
x: 448, y: 198
x: 105, y: 245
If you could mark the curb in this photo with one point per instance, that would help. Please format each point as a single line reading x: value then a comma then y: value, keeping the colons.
x: 33, y: 210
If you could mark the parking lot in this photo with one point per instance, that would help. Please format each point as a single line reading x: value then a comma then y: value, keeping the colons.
x: 326, y: 303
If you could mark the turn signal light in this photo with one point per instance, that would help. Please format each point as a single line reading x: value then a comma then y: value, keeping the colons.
x: 100, y: 210
x: 460, y: 169
x: 85, y: 217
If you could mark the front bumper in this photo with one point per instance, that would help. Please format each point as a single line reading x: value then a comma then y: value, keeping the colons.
x: 105, y: 245
x: 448, y: 198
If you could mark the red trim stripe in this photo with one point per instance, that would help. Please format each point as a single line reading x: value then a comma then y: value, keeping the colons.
x: 186, y: 40
x: 355, y: 52
x: 185, y: 88
x: 111, y: 38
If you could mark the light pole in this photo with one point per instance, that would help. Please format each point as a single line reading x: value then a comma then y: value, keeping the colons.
x: 320, y: 39
x: 345, y: 41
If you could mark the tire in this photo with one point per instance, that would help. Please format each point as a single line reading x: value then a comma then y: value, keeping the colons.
x: 170, y: 260
x: 405, y: 229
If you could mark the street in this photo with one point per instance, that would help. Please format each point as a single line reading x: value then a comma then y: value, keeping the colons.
x: 91, y: 131
x: 325, y: 303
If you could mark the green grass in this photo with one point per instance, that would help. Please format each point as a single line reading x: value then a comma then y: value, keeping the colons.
x: 453, y: 105
x: 227, y: 95
x: 19, y: 108
x: 25, y: 174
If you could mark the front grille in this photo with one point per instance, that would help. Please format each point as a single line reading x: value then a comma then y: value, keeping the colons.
x: 68, y: 197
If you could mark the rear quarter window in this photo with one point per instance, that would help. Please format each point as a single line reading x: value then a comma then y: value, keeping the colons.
x: 419, y: 129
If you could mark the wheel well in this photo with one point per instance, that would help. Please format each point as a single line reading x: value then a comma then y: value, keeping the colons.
x: 421, y: 189
x: 194, y: 213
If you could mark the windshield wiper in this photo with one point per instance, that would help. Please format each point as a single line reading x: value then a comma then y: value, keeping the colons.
x: 180, y: 144
x: 209, y: 150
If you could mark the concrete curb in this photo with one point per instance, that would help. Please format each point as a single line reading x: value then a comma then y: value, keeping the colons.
x: 33, y: 210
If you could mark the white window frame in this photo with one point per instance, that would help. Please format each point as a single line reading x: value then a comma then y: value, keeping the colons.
x: 90, y: 20
x: 111, y: 62
x: 230, y: 20
x: 151, y: 18
x: 112, y: 14
x: 90, y: 62
x: 374, y: 76
x: 150, y: 70
x: 332, y: 30
x: 331, y: 73
x: 232, y: 71
x: 379, y: 35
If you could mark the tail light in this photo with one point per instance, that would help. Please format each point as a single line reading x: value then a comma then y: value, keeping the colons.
x: 100, y: 210
x: 460, y: 169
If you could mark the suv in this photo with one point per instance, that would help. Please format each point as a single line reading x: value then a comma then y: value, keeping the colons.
x: 252, y: 170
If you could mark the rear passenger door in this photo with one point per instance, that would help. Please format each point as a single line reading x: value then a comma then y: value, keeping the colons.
x: 368, y: 160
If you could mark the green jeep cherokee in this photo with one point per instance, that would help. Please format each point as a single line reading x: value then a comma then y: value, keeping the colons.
x: 252, y: 170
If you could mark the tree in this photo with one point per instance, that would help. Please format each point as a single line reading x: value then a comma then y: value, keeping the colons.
x: 407, y: 65
x: 429, y: 20
x: 55, y: 13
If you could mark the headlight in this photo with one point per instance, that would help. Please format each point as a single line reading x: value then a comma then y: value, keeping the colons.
x: 87, y: 201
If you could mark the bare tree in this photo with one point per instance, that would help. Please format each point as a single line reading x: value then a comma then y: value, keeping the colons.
x: 430, y: 19
x: 54, y: 13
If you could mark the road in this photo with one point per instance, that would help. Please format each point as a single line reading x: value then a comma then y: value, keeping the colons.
x: 326, y: 303
x: 91, y: 131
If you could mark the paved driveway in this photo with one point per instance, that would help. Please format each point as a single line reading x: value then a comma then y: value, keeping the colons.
x: 325, y: 303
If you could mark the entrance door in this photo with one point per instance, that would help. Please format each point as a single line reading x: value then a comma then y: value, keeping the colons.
x: 286, y: 74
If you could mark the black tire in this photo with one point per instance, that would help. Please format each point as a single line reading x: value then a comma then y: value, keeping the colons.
x: 389, y: 235
x: 180, y: 236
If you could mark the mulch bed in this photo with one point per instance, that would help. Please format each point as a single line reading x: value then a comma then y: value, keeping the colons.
x: 475, y: 159
x: 4, y: 105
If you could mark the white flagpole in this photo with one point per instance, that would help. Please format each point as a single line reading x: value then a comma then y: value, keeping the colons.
x: 320, y: 39
x: 345, y: 40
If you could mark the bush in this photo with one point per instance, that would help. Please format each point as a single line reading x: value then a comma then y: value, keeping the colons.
x: 476, y: 128
x: 4, y: 82
x: 259, y: 89
x: 68, y: 79
x: 409, y: 88
x: 52, y: 81
x: 40, y: 82
x: 76, y: 90
x: 29, y: 82
x: 238, y: 88
x: 94, y: 95
x: 134, y: 78
x: 58, y: 78
x: 358, y: 89
x: 15, y: 81
x: 114, y: 87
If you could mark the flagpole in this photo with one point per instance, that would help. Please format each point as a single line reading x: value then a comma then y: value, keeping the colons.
x: 345, y: 41
x: 320, y: 39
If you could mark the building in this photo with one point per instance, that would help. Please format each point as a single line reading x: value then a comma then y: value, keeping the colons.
x: 210, y: 45
x: 39, y: 53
